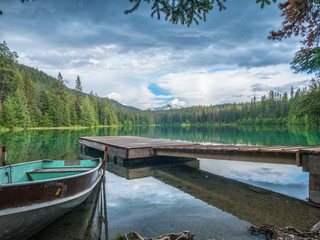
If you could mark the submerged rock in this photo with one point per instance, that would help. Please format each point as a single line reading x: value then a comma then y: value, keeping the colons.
x: 172, y: 236
x: 287, y: 233
x: 316, y: 227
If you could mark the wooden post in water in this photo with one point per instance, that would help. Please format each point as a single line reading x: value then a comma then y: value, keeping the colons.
x: 4, y: 156
x: 105, y: 158
x: 105, y: 219
x: 314, y: 179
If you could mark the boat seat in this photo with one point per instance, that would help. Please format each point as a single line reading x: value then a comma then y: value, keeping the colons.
x: 47, y: 173
x: 57, y: 170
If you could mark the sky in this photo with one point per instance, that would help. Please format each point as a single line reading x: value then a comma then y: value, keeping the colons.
x: 145, y: 62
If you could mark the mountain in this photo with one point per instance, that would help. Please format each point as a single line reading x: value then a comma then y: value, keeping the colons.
x: 119, y: 105
x: 169, y: 106
x: 46, y: 80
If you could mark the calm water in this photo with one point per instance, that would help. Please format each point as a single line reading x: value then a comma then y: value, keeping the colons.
x: 210, y: 198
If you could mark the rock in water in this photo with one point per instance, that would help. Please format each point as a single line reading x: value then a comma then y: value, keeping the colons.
x: 172, y: 236
x: 315, y: 227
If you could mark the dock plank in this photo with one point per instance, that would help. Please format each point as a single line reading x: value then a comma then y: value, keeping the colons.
x: 131, y: 147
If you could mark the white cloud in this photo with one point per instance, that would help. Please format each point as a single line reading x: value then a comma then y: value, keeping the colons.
x: 115, y: 96
x: 177, y: 102
x: 116, y: 53
x: 266, y: 172
x: 227, y: 86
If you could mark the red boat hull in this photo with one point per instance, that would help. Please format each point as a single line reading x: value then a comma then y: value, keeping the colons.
x: 26, y: 208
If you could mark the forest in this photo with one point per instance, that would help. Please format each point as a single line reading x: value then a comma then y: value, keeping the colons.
x: 30, y: 98
x: 299, y: 107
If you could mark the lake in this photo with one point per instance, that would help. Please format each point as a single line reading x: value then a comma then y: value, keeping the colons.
x: 214, y: 199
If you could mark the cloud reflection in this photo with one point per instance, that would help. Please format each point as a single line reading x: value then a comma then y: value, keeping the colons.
x: 151, y: 207
x: 285, y: 179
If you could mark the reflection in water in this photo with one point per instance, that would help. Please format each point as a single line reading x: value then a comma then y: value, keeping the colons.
x: 166, y: 198
x: 152, y: 207
x: 252, y: 204
x: 158, y: 199
x: 87, y: 221
x: 285, y: 179
x: 63, y: 144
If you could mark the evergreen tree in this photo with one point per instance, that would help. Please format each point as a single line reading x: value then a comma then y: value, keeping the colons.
x: 59, y: 89
x: 72, y: 109
x: 30, y: 96
x: 87, y: 117
x: 8, y: 116
x: 79, y: 98
x: 14, y: 111
x: 56, y: 111
x: 8, y: 70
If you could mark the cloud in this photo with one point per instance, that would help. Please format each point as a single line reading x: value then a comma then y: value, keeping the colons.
x: 177, y: 102
x: 226, y: 86
x: 258, y: 87
x: 115, y: 96
x: 285, y: 179
x: 126, y: 54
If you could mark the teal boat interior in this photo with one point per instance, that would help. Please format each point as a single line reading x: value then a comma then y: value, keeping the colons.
x: 44, y: 169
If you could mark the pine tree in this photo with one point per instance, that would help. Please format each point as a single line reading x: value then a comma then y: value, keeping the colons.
x: 8, y: 70
x: 30, y: 95
x: 14, y: 111
x: 8, y: 116
x: 79, y: 98
x: 56, y: 111
x: 87, y: 117
x: 59, y: 89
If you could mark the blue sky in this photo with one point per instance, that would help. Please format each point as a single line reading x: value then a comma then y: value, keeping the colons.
x: 145, y: 62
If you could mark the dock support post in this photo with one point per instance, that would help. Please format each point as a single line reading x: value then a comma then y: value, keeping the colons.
x: 313, y: 161
x: 105, y: 159
x: 298, y: 159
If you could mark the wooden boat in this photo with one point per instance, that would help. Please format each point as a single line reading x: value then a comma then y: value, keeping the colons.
x: 34, y: 194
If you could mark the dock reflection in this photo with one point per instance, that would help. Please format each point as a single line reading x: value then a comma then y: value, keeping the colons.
x: 250, y: 203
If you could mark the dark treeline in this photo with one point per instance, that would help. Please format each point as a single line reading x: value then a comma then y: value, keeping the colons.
x: 31, y: 98
x: 300, y: 107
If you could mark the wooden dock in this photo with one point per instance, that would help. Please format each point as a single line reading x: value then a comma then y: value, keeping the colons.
x: 129, y: 147
x: 126, y: 148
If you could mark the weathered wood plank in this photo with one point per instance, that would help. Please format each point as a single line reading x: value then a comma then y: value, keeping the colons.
x: 314, y: 197
x: 314, y: 182
x: 235, y: 156
x: 131, y: 147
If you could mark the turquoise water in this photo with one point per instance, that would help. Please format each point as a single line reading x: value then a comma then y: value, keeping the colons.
x: 162, y: 198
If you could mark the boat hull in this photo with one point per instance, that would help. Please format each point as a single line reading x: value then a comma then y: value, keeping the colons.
x: 26, y: 208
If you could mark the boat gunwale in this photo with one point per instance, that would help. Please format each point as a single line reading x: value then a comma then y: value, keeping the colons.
x: 14, y: 210
x: 19, y: 184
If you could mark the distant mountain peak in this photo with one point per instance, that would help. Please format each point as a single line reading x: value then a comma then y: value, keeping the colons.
x: 174, y: 104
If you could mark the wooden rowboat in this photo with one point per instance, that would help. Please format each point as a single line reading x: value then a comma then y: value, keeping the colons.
x: 34, y: 194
